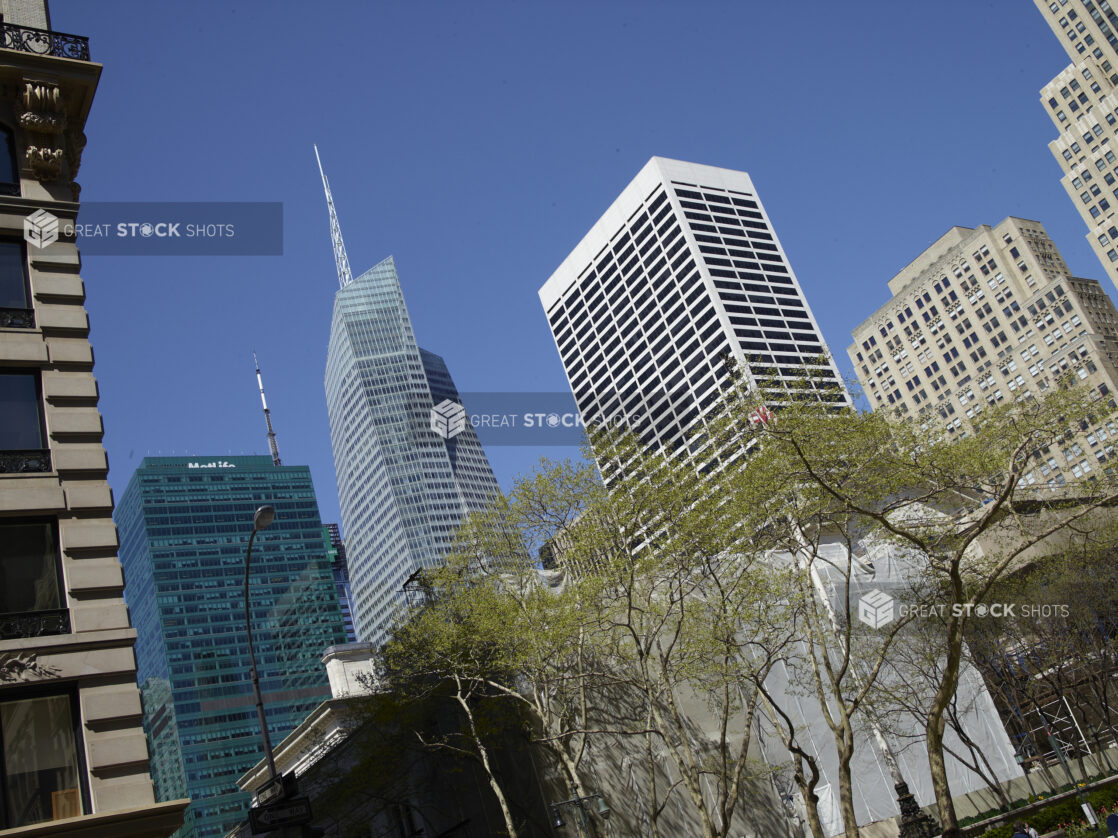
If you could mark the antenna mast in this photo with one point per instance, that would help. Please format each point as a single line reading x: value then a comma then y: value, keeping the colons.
x: 267, y: 415
x: 341, y: 259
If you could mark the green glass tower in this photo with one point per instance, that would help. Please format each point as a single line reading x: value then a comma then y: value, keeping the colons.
x: 184, y: 524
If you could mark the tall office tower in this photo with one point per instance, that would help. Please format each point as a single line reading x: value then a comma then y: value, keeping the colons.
x: 340, y: 569
x: 71, y: 740
x: 184, y: 526
x: 1083, y: 103
x: 165, y: 746
x: 683, y: 270
x: 402, y: 487
x: 985, y: 315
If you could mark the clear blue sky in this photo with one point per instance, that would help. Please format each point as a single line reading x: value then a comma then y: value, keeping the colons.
x: 477, y: 142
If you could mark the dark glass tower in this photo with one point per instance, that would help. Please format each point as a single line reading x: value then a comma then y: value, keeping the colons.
x: 340, y: 569
x: 184, y: 525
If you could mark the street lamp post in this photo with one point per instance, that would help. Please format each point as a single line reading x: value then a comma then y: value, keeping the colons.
x: 580, y: 803
x: 1088, y: 809
x: 1025, y: 769
x: 261, y: 520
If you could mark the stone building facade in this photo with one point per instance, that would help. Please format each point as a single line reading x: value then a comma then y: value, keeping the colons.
x: 75, y: 760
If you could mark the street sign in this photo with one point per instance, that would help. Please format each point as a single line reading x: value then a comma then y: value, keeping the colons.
x: 287, y: 813
x: 277, y: 789
x: 1090, y: 813
x: 270, y: 792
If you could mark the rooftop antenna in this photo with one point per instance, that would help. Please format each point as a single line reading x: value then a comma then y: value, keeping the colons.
x: 341, y: 259
x: 267, y: 415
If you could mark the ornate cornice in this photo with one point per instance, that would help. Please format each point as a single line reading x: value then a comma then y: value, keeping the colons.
x: 43, y: 118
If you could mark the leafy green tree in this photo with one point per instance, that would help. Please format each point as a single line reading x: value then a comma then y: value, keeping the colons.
x: 692, y: 615
x: 965, y: 504
x: 662, y: 629
x: 447, y: 648
x: 541, y: 633
x: 695, y: 574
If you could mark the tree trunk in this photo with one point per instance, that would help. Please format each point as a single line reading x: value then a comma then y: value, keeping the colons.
x: 938, y: 769
x: 981, y: 764
x: 684, y: 758
x: 949, y: 683
x: 483, y: 755
x: 845, y: 742
x: 806, y: 785
x: 654, y: 812
x: 811, y: 800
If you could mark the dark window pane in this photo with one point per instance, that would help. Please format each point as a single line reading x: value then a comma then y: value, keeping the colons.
x: 8, y: 173
x: 20, y: 424
x: 13, y: 280
x: 40, y: 760
x: 28, y: 568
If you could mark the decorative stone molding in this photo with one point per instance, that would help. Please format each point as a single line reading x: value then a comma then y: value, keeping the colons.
x: 24, y: 462
x: 23, y: 666
x: 42, y: 96
x: 44, y: 121
x: 17, y: 318
x: 45, y: 163
x: 75, y: 144
x: 35, y: 624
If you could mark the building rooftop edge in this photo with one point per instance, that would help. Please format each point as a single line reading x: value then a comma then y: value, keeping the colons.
x: 390, y: 259
x: 204, y: 460
x: 930, y: 255
x: 656, y: 170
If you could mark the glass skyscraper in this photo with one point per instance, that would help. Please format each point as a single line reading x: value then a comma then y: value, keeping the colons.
x: 184, y: 524
x: 340, y: 569
x: 402, y: 487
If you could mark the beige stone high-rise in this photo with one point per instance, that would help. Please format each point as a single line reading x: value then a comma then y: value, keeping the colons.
x: 985, y: 315
x: 1082, y: 101
x: 74, y: 758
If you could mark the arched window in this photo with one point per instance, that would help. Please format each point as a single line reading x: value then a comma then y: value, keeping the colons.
x: 9, y: 171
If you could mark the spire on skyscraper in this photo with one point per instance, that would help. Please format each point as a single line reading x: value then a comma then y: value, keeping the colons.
x: 341, y: 259
x: 267, y: 415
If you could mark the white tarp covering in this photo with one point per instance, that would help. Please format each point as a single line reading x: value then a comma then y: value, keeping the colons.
x: 890, y: 570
